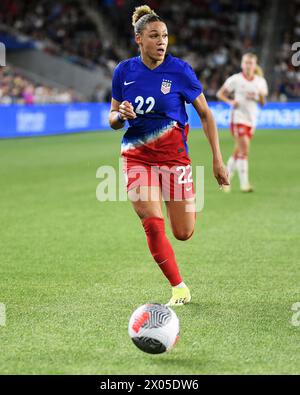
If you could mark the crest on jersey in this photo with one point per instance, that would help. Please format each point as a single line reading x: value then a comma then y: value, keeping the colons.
x: 165, y: 86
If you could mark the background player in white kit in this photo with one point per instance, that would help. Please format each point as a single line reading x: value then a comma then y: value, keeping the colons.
x: 243, y: 91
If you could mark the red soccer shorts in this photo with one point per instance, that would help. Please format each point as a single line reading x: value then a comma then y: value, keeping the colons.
x: 174, y: 179
x: 239, y: 130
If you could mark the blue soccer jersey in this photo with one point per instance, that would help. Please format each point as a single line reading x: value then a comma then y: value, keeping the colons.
x: 158, y: 97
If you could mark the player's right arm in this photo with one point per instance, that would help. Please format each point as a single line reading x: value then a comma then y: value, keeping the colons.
x: 223, y: 95
x: 211, y: 132
x: 120, y: 109
x: 225, y: 91
x: 119, y: 113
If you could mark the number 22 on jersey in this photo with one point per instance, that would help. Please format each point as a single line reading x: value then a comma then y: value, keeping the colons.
x: 140, y: 101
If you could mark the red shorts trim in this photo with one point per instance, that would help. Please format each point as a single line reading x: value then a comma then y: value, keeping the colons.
x: 175, y: 179
x: 238, y: 130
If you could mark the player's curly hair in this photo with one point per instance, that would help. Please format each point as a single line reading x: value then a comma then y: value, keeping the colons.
x: 142, y: 16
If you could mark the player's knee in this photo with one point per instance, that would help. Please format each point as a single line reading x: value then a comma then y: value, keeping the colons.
x: 183, y: 234
x: 242, y: 154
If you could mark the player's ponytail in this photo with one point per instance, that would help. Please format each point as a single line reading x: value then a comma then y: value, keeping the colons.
x: 259, y: 71
x: 142, y: 16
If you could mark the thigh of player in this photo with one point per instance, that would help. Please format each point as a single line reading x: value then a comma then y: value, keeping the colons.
x: 143, y: 189
x: 179, y: 196
x: 146, y: 201
x: 240, y: 130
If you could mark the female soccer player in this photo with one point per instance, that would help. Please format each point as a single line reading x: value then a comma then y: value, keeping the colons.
x: 150, y: 92
x: 248, y: 88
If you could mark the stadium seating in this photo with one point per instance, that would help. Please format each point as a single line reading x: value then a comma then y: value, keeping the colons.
x: 210, y: 34
x: 63, y: 27
x: 17, y: 89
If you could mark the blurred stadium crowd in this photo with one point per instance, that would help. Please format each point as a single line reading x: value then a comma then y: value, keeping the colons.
x: 16, y: 89
x: 62, y: 27
x: 210, y: 34
x: 287, y: 76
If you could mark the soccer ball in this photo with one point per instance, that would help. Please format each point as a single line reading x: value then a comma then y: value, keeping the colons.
x: 154, y: 328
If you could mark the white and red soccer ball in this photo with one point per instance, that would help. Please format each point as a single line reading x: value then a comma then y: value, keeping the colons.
x: 154, y: 328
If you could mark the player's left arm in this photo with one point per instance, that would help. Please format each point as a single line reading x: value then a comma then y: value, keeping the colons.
x: 211, y: 132
x: 262, y: 99
x: 263, y: 93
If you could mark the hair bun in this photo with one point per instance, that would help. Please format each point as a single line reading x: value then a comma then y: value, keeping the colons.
x: 139, y: 12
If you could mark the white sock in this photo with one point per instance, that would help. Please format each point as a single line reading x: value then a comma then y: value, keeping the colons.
x: 181, y: 285
x: 242, y: 168
x: 231, y: 167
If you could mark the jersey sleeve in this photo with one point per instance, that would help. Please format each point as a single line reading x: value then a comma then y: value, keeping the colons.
x: 192, y: 86
x: 264, y: 87
x: 230, y: 84
x: 117, y: 85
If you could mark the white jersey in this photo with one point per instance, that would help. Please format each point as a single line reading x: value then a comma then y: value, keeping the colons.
x: 246, y: 93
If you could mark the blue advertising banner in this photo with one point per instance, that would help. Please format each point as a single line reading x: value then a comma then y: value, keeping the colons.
x: 271, y: 116
x: 46, y: 119
x: 40, y: 120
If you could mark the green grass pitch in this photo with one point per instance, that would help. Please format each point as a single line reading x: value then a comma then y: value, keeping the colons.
x: 73, y: 269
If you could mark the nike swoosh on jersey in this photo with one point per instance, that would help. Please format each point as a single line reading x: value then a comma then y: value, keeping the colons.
x: 128, y: 83
x: 188, y: 189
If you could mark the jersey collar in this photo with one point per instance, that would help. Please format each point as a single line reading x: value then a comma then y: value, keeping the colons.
x: 246, y: 78
x: 166, y: 61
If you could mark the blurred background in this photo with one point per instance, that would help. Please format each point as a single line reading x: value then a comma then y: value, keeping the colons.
x: 66, y: 51
x: 95, y: 35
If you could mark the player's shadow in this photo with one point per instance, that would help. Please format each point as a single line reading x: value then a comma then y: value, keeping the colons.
x: 194, y: 308
x: 189, y: 364
x: 200, y: 307
x: 193, y: 305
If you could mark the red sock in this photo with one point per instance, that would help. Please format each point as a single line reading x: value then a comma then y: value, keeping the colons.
x: 161, y: 248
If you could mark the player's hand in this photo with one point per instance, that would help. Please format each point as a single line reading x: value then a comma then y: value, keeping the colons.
x: 126, y: 110
x: 234, y: 103
x: 221, y: 173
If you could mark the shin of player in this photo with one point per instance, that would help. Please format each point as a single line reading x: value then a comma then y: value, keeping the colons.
x: 161, y: 249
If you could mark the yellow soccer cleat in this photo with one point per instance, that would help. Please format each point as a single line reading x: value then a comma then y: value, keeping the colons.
x: 180, y: 296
